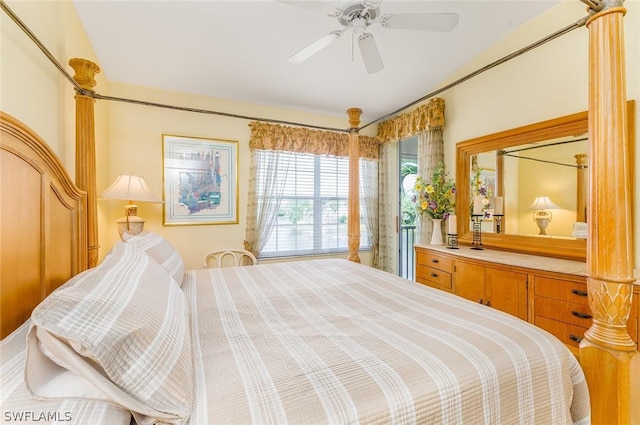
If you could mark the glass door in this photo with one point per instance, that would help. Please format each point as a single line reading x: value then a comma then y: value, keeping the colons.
x: 407, y: 172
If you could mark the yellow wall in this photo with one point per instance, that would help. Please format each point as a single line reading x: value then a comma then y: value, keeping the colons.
x: 547, y: 82
x: 128, y: 137
x: 558, y: 182
x: 136, y: 147
x: 36, y: 93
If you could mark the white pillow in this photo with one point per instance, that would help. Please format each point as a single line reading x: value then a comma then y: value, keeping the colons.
x: 117, y: 333
x: 161, y: 251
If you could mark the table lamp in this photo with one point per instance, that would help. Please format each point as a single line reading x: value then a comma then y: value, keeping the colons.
x: 541, y: 216
x: 130, y: 188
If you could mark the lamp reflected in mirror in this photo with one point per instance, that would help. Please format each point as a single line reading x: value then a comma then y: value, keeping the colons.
x: 128, y: 187
x: 541, y: 214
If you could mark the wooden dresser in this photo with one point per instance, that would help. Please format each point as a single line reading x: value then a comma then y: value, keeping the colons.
x: 550, y: 293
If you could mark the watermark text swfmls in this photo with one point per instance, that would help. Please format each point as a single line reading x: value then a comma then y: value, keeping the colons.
x: 34, y: 416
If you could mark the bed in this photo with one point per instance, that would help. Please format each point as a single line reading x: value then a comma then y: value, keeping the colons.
x: 305, y: 342
x: 318, y: 341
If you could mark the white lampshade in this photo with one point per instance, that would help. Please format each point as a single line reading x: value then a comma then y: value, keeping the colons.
x: 130, y: 188
x: 543, y: 203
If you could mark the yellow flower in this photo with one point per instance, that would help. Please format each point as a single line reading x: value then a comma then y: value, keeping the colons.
x: 429, y: 189
x: 424, y: 205
x: 418, y: 186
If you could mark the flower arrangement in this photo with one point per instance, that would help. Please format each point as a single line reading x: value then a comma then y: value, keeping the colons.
x: 435, y: 198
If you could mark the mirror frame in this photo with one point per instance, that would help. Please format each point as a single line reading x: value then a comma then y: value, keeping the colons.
x: 573, y: 249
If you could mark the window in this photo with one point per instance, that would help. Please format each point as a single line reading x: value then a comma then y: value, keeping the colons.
x: 312, y: 216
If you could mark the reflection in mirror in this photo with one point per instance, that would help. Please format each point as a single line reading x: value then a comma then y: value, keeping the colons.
x: 528, y: 239
x: 553, y: 171
x: 516, y: 199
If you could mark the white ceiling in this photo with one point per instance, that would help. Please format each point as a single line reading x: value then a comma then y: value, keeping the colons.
x: 238, y: 50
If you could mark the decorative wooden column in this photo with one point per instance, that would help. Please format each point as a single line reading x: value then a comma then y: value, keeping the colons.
x: 607, y: 353
x: 582, y: 185
x: 85, y: 72
x: 500, y: 191
x: 354, y: 185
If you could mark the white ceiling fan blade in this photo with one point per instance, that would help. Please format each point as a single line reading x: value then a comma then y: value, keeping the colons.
x: 313, y: 48
x: 370, y: 54
x: 439, y: 22
x: 314, y: 6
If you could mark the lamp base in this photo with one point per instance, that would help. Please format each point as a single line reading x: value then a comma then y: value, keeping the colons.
x: 542, y: 223
x: 132, y: 225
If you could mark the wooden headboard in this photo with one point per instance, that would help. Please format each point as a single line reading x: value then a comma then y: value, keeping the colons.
x: 43, y: 215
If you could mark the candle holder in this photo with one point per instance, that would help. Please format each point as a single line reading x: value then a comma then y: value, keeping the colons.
x: 497, y: 218
x: 477, y: 231
x: 452, y: 240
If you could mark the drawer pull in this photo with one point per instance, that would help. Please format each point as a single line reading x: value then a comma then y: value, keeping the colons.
x: 581, y: 315
x: 434, y: 274
x: 575, y: 338
x: 435, y: 260
x: 579, y: 292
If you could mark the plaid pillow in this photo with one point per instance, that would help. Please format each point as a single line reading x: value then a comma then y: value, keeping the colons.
x: 117, y: 333
x: 161, y: 251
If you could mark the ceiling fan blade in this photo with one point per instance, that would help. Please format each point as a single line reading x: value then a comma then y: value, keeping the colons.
x: 313, y: 48
x: 370, y: 54
x: 439, y: 22
x: 314, y: 6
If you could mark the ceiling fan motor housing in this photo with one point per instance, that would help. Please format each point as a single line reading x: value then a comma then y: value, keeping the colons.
x: 355, y: 10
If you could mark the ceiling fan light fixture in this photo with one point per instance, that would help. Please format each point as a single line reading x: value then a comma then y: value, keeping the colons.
x: 359, y: 26
x: 315, y: 47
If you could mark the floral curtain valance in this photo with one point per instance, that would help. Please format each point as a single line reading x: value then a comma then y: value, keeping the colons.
x: 425, y: 117
x: 277, y: 137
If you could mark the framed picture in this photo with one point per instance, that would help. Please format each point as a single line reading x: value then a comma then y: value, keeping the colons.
x: 483, y: 183
x: 488, y: 179
x: 200, y: 180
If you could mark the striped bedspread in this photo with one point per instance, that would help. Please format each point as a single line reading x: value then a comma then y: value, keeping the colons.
x: 334, y: 342
x: 18, y: 407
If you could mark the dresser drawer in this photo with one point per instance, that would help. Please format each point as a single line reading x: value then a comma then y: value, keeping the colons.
x: 562, y: 311
x: 575, y: 314
x: 563, y: 290
x: 569, y: 334
x: 433, y: 277
x: 433, y: 260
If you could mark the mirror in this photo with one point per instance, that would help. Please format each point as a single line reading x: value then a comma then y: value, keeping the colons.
x: 519, y: 231
x: 552, y: 170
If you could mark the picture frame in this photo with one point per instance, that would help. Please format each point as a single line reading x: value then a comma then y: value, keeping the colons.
x: 200, y: 180
x: 483, y: 182
x: 488, y: 179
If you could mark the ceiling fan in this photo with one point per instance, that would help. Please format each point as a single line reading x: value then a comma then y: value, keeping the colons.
x: 358, y: 16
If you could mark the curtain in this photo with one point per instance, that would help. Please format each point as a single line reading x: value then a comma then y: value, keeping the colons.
x: 276, y: 137
x: 426, y: 121
x: 430, y: 154
x: 369, y: 195
x: 386, y: 215
x: 267, y: 171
